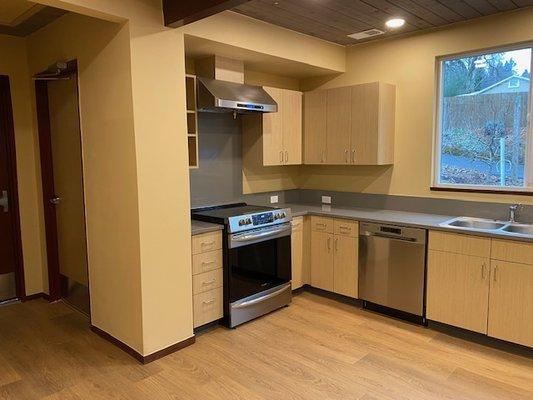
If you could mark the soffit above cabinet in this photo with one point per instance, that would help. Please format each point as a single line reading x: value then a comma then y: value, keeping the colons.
x: 334, y: 20
x: 21, y: 17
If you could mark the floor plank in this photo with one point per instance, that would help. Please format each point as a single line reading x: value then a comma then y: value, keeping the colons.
x: 317, y: 348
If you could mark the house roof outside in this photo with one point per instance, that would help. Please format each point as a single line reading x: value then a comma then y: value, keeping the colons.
x: 504, y: 86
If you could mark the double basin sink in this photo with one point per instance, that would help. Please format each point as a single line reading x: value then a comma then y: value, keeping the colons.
x: 487, y: 225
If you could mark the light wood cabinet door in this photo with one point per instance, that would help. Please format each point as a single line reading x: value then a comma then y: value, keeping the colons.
x: 364, y: 130
x: 315, y: 127
x: 297, y: 252
x: 273, y: 152
x: 291, y: 115
x: 345, y: 271
x: 511, y: 302
x: 338, y: 125
x: 458, y: 290
x: 322, y: 260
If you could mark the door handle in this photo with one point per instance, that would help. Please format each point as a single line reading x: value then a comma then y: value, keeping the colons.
x: 55, y: 200
x: 4, y: 201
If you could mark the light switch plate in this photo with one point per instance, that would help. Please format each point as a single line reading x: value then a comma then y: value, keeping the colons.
x: 274, y: 199
x: 326, y: 199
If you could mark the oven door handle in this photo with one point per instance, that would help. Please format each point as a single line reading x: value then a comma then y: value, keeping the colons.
x: 255, y: 236
x: 262, y: 298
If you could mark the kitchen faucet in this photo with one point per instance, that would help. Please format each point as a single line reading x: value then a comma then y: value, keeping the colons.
x: 513, y: 211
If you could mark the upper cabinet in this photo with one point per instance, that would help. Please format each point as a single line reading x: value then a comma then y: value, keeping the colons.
x: 350, y: 125
x: 278, y: 134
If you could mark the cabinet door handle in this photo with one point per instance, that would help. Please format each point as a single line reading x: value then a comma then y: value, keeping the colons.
x: 483, y: 271
x: 353, y: 156
x: 329, y: 244
x: 495, y: 272
x: 346, y: 155
x: 281, y: 156
x: 337, y: 244
x: 286, y: 156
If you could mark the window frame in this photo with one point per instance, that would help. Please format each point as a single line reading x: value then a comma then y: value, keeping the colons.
x: 436, y: 151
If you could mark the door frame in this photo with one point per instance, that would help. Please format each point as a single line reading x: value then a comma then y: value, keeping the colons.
x: 47, y: 178
x: 7, y: 125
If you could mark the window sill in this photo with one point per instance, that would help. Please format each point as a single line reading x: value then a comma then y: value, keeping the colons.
x: 489, y: 191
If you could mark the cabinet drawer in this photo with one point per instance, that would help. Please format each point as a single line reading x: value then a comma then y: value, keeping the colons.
x: 206, y: 242
x: 207, y: 307
x: 346, y: 227
x: 322, y: 224
x: 206, y: 262
x: 459, y: 244
x: 207, y: 281
x: 297, y: 224
x: 515, y: 252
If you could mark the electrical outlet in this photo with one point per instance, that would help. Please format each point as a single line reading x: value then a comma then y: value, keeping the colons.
x: 326, y: 199
x: 274, y: 199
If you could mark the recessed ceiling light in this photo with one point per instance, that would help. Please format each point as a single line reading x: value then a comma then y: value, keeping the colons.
x: 394, y: 23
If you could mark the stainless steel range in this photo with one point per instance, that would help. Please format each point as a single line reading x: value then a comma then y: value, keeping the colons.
x: 257, y: 259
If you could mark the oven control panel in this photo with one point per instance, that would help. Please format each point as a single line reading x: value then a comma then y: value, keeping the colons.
x: 268, y: 218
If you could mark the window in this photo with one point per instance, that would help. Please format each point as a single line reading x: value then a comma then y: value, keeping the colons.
x: 483, y: 135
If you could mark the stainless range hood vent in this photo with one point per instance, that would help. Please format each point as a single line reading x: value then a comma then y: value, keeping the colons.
x: 222, y: 96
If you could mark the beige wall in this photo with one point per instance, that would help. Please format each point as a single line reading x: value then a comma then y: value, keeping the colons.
x: 14, y: 63
x: 102, y: 51
x: 410, y: 64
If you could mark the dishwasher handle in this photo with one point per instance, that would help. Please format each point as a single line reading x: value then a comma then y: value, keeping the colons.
x: 398, y: 239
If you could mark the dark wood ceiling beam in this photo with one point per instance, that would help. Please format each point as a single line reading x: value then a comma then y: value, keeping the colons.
x: 182, y: 12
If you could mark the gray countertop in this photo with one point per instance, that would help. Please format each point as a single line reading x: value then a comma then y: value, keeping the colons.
x: 418, y: 220
x: 198, y: 227
x: 395, y: 217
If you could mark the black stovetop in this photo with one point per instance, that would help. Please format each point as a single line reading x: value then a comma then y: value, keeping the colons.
x: 221, y: 214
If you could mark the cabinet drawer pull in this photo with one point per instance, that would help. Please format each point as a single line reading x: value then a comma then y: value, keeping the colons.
x: 345, y: 228
x: 353, y: 156
x: 320, y: 224
x: 208, y: 262
x: 211, y: 243
x: 210, y: 282
x: 206, y: 302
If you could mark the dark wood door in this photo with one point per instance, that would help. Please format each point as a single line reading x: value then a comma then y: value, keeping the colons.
x: 8, y: 206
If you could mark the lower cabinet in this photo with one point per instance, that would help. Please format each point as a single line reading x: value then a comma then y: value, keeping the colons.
x: 511, y: 302
x: 207, y: 280
x: 458, y: 290
x: 322, y: 260
x: 486, y: 288
x: 345, y: 262
x: 334, y: 255
x: 300, y: 251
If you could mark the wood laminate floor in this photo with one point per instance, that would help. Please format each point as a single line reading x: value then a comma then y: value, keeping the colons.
x: 315, y: 349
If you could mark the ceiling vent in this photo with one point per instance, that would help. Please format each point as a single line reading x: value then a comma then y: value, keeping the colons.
x: 366, y: 34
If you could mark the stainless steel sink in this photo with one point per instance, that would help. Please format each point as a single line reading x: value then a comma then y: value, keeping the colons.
x: 475, y: 223
x: 520, y: 229
x: 487, y: 225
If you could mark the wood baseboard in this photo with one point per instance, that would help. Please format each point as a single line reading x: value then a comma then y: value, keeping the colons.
x: 138, y: 356
x: 35, y: 296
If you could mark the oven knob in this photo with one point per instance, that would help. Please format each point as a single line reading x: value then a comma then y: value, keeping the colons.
x: 283, y: 215
x: 248, y: 221
x: 242, y: 222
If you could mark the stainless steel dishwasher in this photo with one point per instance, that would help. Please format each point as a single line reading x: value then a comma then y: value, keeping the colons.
x: 392, y: 270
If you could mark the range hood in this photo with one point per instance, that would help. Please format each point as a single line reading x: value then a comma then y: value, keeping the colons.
x: 223, y: 96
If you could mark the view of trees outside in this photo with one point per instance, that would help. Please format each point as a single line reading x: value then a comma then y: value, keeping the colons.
x: 484, y: 108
